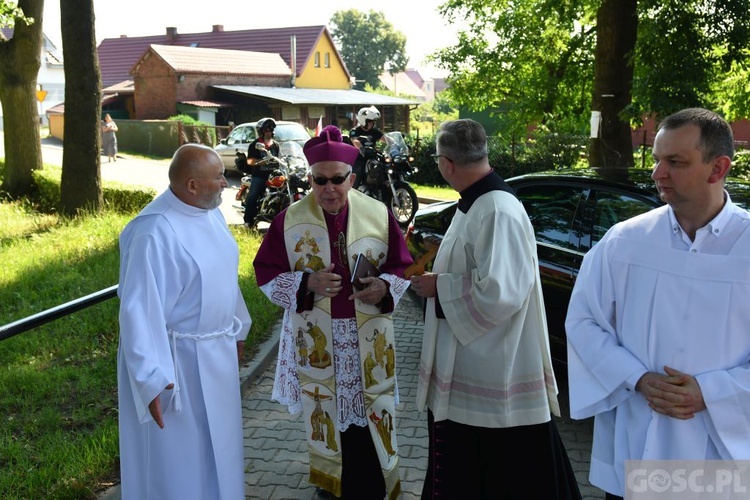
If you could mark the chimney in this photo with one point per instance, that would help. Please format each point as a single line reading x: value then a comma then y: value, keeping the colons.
x: 293, y: 43
x: 218, y: 28
x: 171, y: 34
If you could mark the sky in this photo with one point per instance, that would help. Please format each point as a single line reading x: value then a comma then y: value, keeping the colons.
x: 419, y: 20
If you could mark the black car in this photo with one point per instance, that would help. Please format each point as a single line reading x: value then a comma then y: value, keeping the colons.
x: 570, y: 211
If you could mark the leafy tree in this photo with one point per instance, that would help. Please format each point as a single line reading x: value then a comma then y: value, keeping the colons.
x: 527, y: 61
x: 369, y: 44
x: 19, y: 65
x: 688, y: 54
x: 550, y: 62
x: 81, y: 184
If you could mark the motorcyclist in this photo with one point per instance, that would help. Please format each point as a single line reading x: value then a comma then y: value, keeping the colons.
x: 260, y: 166
x: 366, y: 119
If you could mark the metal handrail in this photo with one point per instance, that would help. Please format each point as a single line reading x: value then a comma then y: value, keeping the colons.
x: 38, y: 319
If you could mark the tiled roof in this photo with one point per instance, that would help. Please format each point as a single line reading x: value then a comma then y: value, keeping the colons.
x: 220, y: 61
x: 401, y: 84
x: 440, y: 85
x: 416, y: 77
x: 207, y: 104
x: 317, y: 96
x: 117, y: 56
x: 126, y: 87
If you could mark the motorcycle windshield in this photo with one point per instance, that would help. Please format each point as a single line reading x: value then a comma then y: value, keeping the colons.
x: 395, y: 145
x: 292, y: 153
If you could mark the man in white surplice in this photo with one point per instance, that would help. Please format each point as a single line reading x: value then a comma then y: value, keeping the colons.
x: 658, y: 343
x: 182, y: 325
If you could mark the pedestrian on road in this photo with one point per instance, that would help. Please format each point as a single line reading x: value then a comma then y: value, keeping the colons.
x: 183, y: 322
x: 109, y: 138
x: 485, y: 373
x: 305, y: 264
x: 657, y: 325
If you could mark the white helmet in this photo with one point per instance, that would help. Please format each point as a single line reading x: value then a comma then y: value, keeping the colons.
x: 365, y: 114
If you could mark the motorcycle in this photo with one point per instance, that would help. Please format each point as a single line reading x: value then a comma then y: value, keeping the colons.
x: 385, y: 174
x: 286, y: 184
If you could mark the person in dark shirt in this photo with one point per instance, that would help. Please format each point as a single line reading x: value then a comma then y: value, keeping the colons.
x: 258, y: 161
x: 366, y: 119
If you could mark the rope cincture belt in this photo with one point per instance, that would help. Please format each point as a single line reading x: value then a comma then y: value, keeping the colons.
x: 231, y: 331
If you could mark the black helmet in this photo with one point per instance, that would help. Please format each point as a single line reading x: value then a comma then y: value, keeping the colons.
x: 265, y: 123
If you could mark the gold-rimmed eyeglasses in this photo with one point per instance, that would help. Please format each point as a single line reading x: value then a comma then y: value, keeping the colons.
x: 437, y: 157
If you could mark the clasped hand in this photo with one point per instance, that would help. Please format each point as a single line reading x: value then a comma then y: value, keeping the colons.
x: 674, y: 393
x: 327, y: 283
x: 424, y: 285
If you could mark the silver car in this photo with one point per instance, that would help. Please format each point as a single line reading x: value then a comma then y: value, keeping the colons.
x: 240, y: 138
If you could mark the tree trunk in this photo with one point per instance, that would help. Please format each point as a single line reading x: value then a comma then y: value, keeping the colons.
x: 81, y: 184
x: 20, y: 59
x: 617, y: 27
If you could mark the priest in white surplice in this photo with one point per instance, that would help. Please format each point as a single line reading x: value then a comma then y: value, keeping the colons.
x: 658, y: 324
x: 182, y: 325
x: 485, y: 373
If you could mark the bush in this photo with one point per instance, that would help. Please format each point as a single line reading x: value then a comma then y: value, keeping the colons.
x: 741, y: 164
x: 541, y: 152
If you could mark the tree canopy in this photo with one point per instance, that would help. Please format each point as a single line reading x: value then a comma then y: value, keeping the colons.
x: 369, y: 45
x: 534, y: 61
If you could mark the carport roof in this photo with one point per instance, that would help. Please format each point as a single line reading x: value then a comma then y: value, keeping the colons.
x: 317, y: 96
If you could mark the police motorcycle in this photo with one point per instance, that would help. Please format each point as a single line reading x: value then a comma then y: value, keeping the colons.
x: 386, y: 170
x: 286, y: 184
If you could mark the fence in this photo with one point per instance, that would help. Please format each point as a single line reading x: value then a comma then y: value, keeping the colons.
x: 163, y: 137
x: 31, y: 322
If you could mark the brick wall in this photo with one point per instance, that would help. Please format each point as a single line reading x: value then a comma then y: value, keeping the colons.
x: 154, y: 89
x: 197, y: 86
x: 158, y: 87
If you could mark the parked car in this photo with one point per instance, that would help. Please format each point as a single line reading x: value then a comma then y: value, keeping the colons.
x: 570, y: 212
x: 242, y: 135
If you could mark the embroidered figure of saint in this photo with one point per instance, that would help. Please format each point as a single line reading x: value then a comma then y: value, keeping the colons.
x: 369, y: 366
x: 378, y: 346
x: 330, y: 432
x: 317, y: 415
x: 307, y: 241
x: 320, y: 357
x: 302, y: 347
x: 390, y: 361
x: 384, y: 425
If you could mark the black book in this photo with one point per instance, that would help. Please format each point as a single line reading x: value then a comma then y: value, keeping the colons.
x: 363, y: 268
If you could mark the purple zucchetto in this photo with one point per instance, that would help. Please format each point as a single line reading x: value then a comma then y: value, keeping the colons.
x: 329, y: 146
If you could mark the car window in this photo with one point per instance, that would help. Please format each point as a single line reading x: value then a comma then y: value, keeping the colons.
x: 290, y: 132
x: 243, y: 135
x: 611, y: 208
x: 551, y: 210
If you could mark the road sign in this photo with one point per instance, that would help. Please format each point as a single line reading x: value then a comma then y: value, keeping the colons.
x: 40, y: 95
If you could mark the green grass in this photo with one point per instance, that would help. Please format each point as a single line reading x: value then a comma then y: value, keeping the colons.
x: 58, y: 388
x: 435, y: 192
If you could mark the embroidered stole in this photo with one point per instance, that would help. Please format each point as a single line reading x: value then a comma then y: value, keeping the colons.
x: 308, y: 247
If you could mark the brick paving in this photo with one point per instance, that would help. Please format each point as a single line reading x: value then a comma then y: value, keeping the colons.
x: 276, y: 453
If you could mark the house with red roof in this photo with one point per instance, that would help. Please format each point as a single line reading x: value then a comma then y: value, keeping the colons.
x: 293, y: 73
